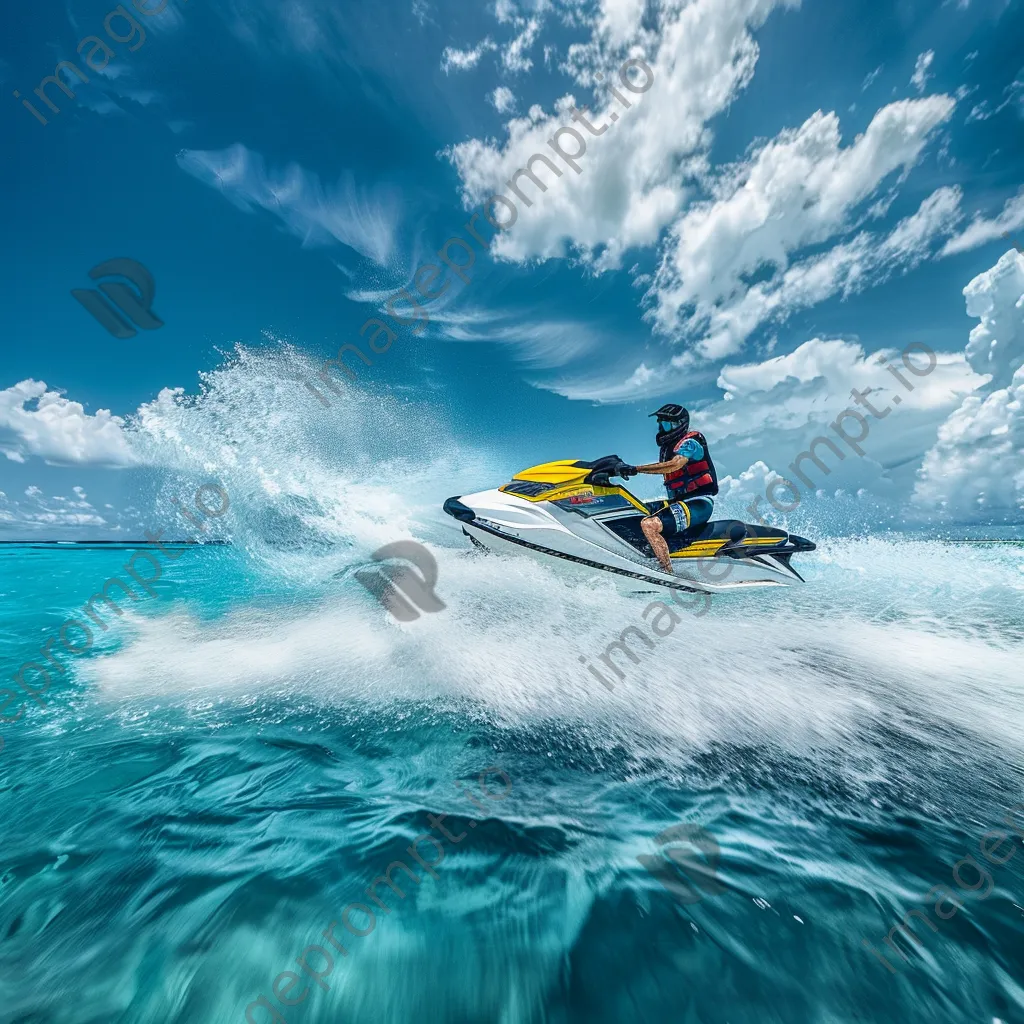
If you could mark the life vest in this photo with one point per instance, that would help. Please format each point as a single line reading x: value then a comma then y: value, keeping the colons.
x: 695, y: 478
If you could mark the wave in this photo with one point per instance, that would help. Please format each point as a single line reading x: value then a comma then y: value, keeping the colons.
x: 313, y: 487
x: 889, y: 633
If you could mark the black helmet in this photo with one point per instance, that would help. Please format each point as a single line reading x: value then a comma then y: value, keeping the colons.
x: 673, y: 422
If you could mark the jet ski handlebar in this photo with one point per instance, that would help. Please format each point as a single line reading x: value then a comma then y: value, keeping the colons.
x: 609, y: 466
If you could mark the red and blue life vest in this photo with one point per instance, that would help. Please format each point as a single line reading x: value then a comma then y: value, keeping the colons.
x: 695, y: 478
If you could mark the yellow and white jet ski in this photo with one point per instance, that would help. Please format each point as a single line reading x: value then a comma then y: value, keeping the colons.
x: 570, y: 512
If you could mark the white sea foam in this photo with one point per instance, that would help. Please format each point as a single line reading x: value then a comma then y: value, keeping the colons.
x: 887, y: 631
x: 801, y: 671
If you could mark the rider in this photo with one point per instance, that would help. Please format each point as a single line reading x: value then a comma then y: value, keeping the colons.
x: 690, y: 480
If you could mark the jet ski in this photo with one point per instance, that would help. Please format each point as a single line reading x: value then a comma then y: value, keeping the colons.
x: 570, y: 512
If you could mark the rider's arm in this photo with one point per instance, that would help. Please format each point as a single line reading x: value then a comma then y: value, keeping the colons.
x: 671, y: 466
x: 686, y: 451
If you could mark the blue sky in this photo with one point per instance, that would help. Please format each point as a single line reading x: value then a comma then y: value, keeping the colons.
x: 802, y: 187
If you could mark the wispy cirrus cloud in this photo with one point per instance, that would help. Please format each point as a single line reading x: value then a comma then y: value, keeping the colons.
x: 869, y: 78
x: 514, y: 53
x: 514, y: 56
x: 984, y: 229
x: 919, y: 79
x: 454, y: 59
x: 319, y: 214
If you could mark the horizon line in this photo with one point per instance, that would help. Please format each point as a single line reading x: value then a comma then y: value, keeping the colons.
x: 125, y: 543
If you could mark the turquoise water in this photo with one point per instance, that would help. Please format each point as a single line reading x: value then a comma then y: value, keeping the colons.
x: 237, y: 758
x: 219, y: 779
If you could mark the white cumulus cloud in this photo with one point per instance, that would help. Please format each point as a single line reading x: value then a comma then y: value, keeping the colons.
x: 976, y: 467
x: 701, y: 55
x: 996, y: 298
x: 645, y: 180
x: 848, y: 267
x: 799, y: 189
x: 771, y: 411
x: 35, y: 421
x: 620, y: 19
x: 502, y: 99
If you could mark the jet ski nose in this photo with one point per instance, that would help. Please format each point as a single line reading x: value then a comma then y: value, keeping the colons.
x: 801, y: 543
x: 455, y: 508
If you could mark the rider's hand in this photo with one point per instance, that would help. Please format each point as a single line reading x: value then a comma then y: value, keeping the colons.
x: 627, y: 471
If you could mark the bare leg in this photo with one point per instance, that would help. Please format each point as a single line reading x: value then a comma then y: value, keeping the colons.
x: 652, y: 531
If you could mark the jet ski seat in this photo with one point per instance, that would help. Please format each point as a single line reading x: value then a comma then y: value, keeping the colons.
x: 730, y: 530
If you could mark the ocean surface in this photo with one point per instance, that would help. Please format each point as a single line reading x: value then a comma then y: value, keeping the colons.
x: 190, y: 825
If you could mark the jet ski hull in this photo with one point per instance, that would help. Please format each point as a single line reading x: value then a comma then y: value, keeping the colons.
x: 598, y: 529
